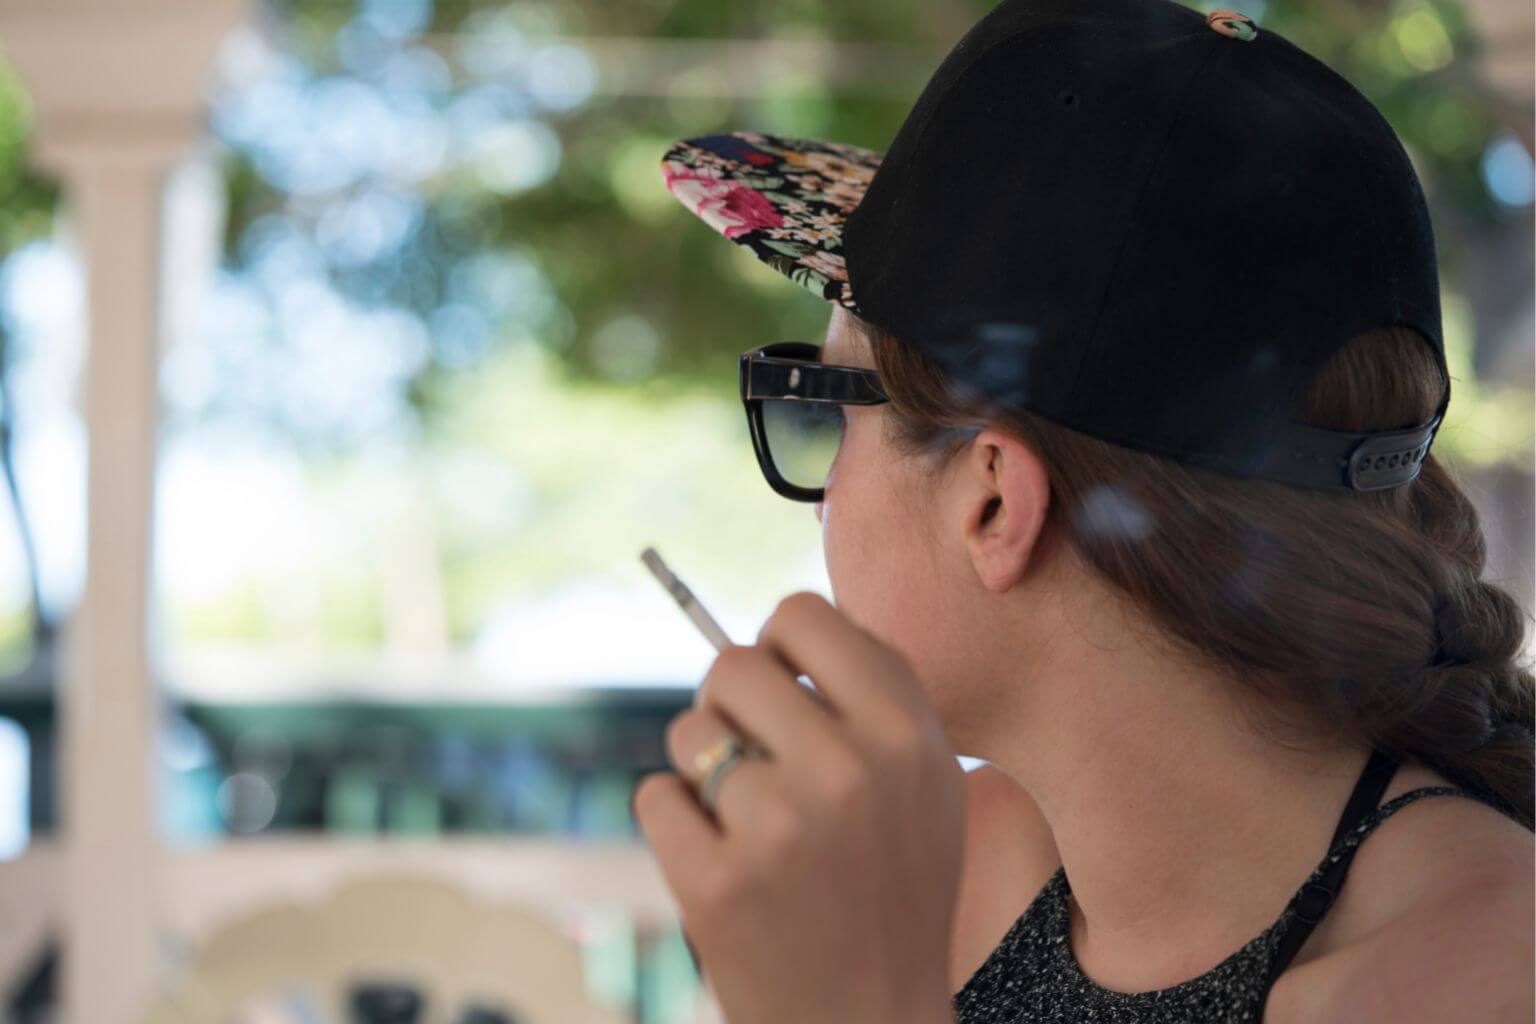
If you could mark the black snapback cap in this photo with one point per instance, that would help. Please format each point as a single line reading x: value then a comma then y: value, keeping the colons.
x: 1145, y: 223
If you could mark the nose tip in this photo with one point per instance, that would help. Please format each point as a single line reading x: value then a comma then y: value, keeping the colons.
x: 819, y: 504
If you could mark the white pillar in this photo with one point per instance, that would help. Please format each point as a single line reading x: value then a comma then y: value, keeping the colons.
x: 117, y: 88
x: 107, y: 720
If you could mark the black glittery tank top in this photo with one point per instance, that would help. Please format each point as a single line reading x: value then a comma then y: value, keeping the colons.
x: 1033, y: 977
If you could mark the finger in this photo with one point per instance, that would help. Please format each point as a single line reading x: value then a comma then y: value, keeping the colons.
x: 684, y: 841
x: 755, y: 692
x: 747, y: 786
x: 692, y: 732
x: 861, y: 677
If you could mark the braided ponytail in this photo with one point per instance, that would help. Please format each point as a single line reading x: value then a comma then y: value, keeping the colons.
x: 1475, y: 725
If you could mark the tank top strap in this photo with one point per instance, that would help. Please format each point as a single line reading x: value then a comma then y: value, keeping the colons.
x: 1361, y: 816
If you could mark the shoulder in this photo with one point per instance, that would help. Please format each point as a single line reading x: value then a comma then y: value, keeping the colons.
x: 1434, y: 922
x: 1004, y: 819
x: 1009, y: 855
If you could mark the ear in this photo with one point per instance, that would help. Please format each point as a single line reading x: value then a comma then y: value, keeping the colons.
x: 1003, y: 493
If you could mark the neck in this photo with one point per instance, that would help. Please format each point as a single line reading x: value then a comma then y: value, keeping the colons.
x: 1169, y: 816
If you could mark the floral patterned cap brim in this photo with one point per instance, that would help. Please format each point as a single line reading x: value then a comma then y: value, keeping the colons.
x: 785, y: 199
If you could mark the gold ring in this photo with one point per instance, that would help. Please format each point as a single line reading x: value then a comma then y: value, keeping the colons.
x: 706, y: 760
x: 715, y: 761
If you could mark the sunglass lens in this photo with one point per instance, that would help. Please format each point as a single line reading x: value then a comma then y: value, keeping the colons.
x: 802, y: 439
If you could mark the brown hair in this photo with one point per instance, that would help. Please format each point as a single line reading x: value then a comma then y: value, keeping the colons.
x: 1359, y: 617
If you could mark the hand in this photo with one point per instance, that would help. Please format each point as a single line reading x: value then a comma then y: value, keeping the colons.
x: 825, y: 889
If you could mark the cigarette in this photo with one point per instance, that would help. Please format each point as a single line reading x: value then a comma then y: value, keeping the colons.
x: 685, y: 599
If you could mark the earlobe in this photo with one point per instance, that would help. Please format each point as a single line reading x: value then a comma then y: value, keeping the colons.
x: 996, y: 553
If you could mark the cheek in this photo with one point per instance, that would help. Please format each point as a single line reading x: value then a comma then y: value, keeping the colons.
x: 871, y: 544
x: 846, y: 530
x: 880, y: 580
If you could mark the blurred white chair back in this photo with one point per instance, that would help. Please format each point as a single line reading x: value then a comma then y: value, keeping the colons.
x: 395, y: 929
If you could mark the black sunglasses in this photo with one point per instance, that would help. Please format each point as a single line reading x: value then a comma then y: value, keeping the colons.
x: 795, y: 412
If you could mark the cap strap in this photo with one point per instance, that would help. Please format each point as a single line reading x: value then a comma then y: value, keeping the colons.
x: 1315, y: 457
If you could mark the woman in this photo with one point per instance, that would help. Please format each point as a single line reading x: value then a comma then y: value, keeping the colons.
x: 1119, y: 440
